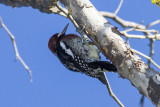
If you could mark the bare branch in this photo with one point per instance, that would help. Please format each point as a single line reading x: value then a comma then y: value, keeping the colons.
x: 151, y: 50
x: 111, y: 93
x: 118, y: 8
x: 121, y: 21
x: 42, y: 5
x: 16, y: 50
x: 147, y: 57
x: 147, y: 31
x: 153, y: 23
x: 142, y: 101
x: 133, y: 25
x: 55, y: 10
x: 155, y: 36
x: 71, y: 18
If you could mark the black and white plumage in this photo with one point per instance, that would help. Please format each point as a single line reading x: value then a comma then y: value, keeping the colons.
x: 79, y: 55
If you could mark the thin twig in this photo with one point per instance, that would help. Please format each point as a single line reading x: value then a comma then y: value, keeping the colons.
x: 73, y: 21
x: 142, y: 101
x: 111, y: 93
x: 18, y: 57
x: 134, y: 28
x: 118, y: 8
x: 142, y: 30
x: 133, y: 25
x: 121, y: 21
x: 147, y: 57
x: 153, y: 23
x: 155, y: 36
x: 57, y: 11
x: 125, y: 23
x: 151, y: 50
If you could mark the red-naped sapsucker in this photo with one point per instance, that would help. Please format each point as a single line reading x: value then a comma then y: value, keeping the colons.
x: 79, y: 55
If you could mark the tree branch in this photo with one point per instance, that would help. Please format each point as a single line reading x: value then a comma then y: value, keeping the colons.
x: 118, y: 8
x: 155, y: 36
x: 153, y: 23
x: 42, y: 5
x: 71, y: 18
x: 111, y: 93
x: 16, y: 49
x: 147, y: 57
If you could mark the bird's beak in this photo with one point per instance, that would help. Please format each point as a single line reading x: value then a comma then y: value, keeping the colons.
x: 64, y: 30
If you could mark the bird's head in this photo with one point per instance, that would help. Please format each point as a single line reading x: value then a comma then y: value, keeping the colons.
x: 55, y: 39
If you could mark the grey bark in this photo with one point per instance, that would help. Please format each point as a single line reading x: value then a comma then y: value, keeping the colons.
x: 107, y: 39
x: 41, y: 5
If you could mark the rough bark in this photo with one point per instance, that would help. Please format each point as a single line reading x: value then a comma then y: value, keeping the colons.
x: 42, y: 5
x: 108, y: 40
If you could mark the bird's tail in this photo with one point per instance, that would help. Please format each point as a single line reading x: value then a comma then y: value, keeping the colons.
x: 102, y: 77
x: 104, y: 65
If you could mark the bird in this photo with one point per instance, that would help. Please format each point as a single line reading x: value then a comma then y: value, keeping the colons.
x: 79, y: 55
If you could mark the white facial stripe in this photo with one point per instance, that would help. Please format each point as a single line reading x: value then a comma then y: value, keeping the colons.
x: 66, y: 50
x: 59, y: 35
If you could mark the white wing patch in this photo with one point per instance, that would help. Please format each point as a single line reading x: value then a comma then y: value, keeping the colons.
x: 68, y: 51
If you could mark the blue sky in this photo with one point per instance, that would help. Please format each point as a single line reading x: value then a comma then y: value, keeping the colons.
x: 53, y: 85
